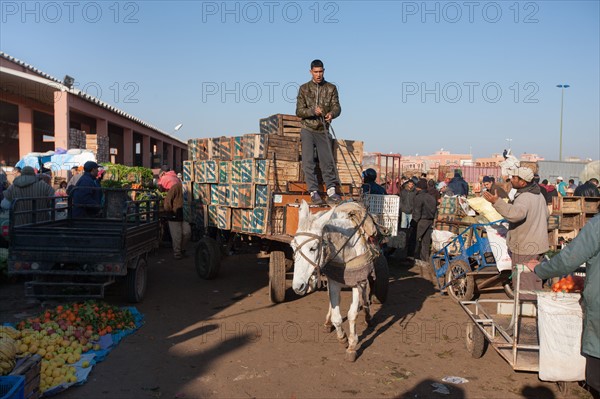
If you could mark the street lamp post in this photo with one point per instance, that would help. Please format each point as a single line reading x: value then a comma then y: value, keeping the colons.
x: 562, y: 96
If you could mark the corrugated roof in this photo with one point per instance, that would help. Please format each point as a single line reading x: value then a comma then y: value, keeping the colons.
x: 89, y: 98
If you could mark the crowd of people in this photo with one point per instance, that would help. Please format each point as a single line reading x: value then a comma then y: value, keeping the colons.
x: 524, y: 205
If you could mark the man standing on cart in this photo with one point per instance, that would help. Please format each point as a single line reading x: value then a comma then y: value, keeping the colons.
x: 318, y: 104
x: 527, y: 217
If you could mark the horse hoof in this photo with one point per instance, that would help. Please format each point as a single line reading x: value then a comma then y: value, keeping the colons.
x: 351, y: 356
x: 343, y: 341
x: 327, y: 328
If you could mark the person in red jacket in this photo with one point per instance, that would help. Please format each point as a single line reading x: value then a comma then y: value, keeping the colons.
x: 180, y: 229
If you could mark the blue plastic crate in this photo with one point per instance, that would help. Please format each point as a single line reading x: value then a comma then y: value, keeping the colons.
x: 12, y: 387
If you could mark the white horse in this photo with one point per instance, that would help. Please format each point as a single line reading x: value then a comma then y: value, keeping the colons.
x: 339, y: 244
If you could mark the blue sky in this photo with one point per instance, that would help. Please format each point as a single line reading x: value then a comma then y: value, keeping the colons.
x: 413, y: 76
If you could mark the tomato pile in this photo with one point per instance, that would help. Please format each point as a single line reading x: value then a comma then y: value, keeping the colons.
x: 568, y: 284
x: 98, y: 317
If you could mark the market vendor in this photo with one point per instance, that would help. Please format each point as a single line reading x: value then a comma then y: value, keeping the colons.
x: 585, y: 248
x: 527, y: 217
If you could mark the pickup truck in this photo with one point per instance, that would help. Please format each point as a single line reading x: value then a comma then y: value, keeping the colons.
x: 79, y: 257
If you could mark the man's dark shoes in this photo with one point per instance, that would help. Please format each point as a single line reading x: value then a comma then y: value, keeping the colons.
x: 334, y: 199
x: 316, y: 199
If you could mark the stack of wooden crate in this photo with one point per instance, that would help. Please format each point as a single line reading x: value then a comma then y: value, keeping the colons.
x: 568, y: 216
x: 231, y: 179
x: 99, y: 145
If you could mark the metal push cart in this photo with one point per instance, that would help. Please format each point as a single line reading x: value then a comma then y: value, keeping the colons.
x: 466, y: 265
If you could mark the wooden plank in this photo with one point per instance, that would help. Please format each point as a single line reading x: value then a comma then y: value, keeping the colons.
x: 214, y: 151
x: 301, y: 187
x: 292, y: 216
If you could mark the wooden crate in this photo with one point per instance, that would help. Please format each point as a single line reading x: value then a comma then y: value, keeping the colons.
x: 292, y: 216
x: 282, y: 172
x: 260, y: 171
x: 301, y: 187
x: 241, y: 195
x: 199, y: 172
x: 349, y: 150
x: 29, y: 367
x: 211, y: 171
x: 260, y: 197
x: 212, y: 215
x: 236, y: 220
x: 188, y: 171
x: 247, y: 170
x: 214, y: 149
x: 350, y: 173
x: 554, y: 221
x: 281, y: 124
x: 224, y: 171
x: 591, y: 204
x: 198, y: 149
x: 260, y: 220
x: 277, y: 220
x: 255, y: 145
x: 224, y: 217
x: 567, y: 204
x: 571, y: 221
x: 201, y: 193
x: 226, y: 148
x: 222, y: 193
x: 214, y: 194
x: 238, y: 147
x: 284, y: 148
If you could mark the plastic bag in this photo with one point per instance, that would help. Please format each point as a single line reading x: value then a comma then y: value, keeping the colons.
x: 560, y: 325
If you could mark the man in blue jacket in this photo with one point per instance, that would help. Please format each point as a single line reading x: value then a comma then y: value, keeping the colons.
x: 87, y: 195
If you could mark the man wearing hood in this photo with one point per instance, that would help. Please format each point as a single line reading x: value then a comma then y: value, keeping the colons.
x: 458, y: 185
x: 318, y: 104
x: 527, y: 217
x: 28, y: 185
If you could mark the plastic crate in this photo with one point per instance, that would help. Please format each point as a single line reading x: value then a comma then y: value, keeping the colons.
x: 12, y: 387
x: 388, y: 205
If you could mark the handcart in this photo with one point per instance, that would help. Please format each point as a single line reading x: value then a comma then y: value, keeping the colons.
x: 467, y: 264
x: 512, y: 328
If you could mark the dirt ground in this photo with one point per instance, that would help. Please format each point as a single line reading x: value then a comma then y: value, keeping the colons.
x: 224, y: 339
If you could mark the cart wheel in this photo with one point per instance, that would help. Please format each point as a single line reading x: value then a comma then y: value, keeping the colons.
x: 277, y: 276
x: 460, y: 288
x: 136, y: 282
x: 207, y: 258
x: 289, y: 265
x: 380, y: 286
x: 475, y: 340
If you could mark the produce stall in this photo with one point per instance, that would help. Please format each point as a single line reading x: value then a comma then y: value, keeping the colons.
x: 59, y: 348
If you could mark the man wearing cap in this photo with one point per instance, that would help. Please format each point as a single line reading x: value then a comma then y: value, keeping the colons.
x: 490, y: 185
x: 424, y: 209
x: 561, y: 186
x: 527, y: 217
x: 28, y: 185
x: 87, y: 196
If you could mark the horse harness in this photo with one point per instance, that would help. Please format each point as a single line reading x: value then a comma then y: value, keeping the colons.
x: 361, y: 259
